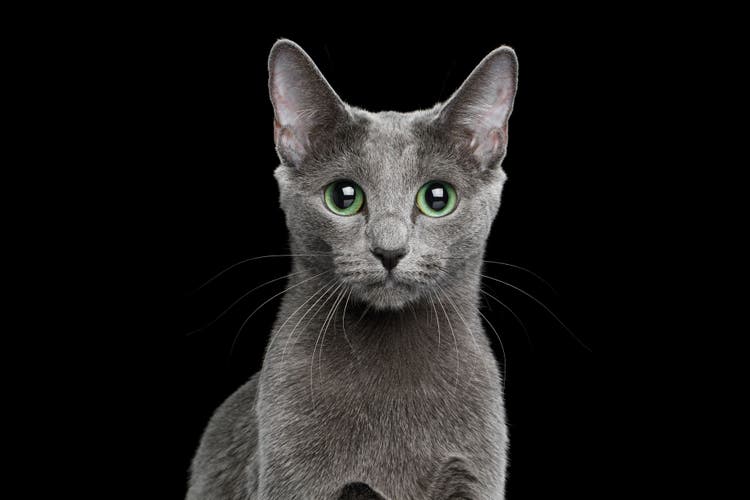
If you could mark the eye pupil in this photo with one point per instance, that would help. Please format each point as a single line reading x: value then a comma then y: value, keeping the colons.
x: 343, y: 195
x: 436, y: 197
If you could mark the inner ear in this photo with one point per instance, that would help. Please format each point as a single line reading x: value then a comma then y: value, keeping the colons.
x: 477, y: 114
x: 494, y: 142
x: 305, y: 106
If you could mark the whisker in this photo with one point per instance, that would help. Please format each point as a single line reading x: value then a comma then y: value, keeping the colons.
x: 507, y: 308
x: 486, y: 303
x: 414, y: 312
x: 231, y: 351
x: 502, y: 347
x: 225, y: 311
x: 549, y: 311
x: 437, y: 320
x: 289, y: 337
x: 322, y: 326
x: 508, y: 264
x: 367, y: 308
x: 324, y: 329
x: 281, y: 328
x: 524, y: 292
x: 330, y: 316
x: 226, y: 270
x: 455, y: 341
x: 468, y: 328
x: 343, y: 324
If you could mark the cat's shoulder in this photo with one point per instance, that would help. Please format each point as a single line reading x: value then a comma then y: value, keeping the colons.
x: 236, y: 414
x: 227, y: 449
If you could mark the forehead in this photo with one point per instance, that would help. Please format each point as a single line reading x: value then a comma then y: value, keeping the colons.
x: 388, y: 151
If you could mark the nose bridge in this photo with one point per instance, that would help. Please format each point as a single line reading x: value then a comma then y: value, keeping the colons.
x: 389, y: 231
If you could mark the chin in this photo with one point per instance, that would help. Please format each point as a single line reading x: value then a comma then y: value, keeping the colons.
x: 389, y: 295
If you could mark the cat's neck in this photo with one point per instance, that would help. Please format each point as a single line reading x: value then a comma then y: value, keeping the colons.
x: 319, y: 315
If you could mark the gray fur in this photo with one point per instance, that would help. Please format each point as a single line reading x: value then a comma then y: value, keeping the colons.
x: 374, y: 385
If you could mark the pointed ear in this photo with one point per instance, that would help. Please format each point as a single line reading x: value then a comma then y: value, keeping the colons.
x: 477, y: 113
x: 305, y: 106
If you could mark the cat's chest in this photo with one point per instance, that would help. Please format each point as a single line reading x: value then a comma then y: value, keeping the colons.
x: 382, y: 430
x: 385, y: 416
x: 365, y: 407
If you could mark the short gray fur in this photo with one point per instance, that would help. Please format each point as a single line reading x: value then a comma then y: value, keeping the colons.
x: 375, y: 384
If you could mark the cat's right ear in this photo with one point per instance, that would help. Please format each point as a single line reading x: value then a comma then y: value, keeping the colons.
x: 305, y: 106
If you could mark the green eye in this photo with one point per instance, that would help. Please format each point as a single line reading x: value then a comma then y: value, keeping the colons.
x: 436, y: 199
x: 344, y: 197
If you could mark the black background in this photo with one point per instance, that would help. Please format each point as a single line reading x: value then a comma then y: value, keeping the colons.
x: 189, y: 148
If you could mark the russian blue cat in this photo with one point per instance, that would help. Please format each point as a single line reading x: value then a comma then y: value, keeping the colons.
x: 378, y: 380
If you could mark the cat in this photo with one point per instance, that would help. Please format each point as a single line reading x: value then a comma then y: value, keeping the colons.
x: 378, y: 380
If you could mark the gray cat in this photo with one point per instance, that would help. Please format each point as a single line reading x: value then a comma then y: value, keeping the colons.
x: 379, y: 380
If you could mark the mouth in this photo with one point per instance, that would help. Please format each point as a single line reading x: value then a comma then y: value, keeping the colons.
x: 389, y: 280
x: 389, y: 293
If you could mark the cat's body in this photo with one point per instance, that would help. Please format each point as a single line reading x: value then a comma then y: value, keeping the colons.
x: 378, y: 375
x: 389, y: 416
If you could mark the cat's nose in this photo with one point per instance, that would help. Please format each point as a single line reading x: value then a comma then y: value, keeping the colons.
x: 389, y: 258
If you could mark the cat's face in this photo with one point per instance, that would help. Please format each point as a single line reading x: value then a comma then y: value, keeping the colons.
x: 394, y: 206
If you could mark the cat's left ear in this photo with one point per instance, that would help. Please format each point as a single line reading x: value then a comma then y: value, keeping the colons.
x: 477, y: 113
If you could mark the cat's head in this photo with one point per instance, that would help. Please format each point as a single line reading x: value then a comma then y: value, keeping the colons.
x: 393, y: 205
